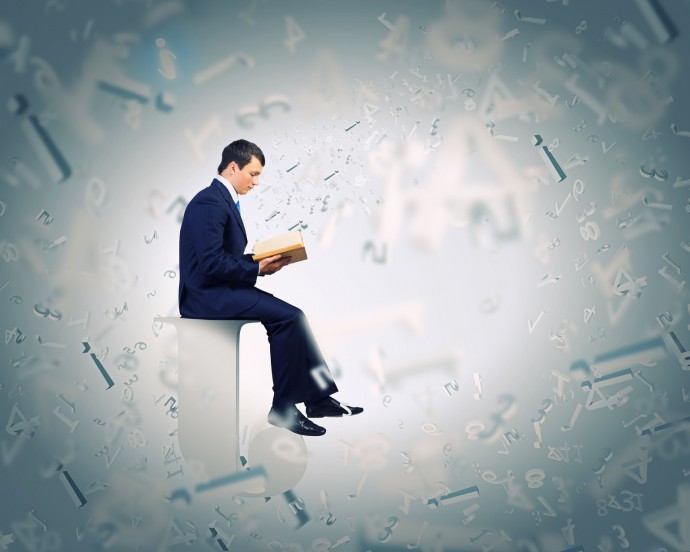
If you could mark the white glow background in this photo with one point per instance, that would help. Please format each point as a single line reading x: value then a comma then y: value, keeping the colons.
x: 431, y: 256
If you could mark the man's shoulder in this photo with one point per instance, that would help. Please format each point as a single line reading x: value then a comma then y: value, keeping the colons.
x: 210, y: 192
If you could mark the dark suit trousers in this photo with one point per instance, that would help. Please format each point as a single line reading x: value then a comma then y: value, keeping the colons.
x: 294, y: 352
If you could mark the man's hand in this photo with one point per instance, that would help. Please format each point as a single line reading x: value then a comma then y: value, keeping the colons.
x: 270, y: 265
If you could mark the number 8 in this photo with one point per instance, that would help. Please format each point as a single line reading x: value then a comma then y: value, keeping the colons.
x: 590, y: 231
x: 535, y: 478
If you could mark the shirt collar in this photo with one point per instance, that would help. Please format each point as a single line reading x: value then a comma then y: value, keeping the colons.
x: 233, y: 193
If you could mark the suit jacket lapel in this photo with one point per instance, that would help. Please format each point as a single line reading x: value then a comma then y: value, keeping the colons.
x: 233, y: 208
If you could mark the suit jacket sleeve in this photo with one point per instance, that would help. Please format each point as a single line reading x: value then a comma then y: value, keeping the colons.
x: 218, y: 259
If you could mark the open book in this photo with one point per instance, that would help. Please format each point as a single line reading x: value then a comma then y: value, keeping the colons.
x: 288, y: 245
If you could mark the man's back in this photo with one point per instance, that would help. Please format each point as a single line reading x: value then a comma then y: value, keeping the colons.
x: 215, y: 275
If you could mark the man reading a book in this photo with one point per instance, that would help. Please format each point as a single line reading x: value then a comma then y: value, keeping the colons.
x: 217, y: 281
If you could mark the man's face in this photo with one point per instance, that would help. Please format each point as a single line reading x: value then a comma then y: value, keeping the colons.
x: 246, y: 178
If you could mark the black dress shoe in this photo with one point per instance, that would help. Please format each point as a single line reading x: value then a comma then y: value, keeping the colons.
x: 292, y: 419
x: 331, y: 408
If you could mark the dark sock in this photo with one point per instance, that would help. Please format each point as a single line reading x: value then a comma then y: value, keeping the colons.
x: 318, y: 402
x: 283, y: 408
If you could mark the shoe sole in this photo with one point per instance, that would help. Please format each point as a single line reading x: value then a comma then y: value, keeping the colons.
x: 297, y: 432
x: 341, y: 415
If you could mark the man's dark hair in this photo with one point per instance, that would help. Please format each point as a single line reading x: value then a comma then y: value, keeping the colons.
x: 241, y: 152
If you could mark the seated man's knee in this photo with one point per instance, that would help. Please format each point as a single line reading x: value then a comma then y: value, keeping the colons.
x: 290, y: 315
x: 297, y: 314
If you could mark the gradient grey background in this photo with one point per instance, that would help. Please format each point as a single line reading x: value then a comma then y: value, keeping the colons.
x: 427, y: 256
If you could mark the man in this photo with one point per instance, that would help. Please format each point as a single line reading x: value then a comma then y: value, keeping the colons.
x: 217, y: 282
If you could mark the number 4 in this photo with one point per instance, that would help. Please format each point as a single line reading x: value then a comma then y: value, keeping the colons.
x: 396, y: 41
x: 28, y: 534
x: 637, y: 468
x: 295, y: 34
x: 631, y: 285
x: 18, y: 423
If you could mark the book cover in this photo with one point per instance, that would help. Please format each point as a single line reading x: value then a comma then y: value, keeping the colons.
x: 288, y: 245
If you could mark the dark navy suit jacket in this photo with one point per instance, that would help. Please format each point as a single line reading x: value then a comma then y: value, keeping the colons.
x: 216, y: 277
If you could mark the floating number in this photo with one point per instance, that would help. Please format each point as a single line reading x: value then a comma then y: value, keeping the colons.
x: 590, y: 231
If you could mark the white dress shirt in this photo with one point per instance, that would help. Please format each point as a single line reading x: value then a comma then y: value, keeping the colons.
x: 233, y: 193
x: 226, y: 183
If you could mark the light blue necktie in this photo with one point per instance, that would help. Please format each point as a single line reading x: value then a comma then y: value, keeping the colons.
x: 238, y: 206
